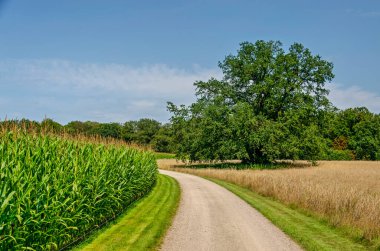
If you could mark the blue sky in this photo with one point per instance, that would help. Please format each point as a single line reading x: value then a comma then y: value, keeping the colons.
x: 121, y: 60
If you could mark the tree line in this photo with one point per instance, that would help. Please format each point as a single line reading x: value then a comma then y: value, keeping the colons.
x: 350, y: 134
x: 145, y: 132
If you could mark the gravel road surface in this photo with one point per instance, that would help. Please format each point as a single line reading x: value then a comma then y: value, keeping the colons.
x: 212, y: 218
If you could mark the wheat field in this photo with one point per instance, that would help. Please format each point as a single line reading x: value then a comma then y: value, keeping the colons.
x: 345, y: 193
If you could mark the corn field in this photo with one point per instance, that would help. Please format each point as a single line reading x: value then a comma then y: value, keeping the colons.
x: 54, y: 190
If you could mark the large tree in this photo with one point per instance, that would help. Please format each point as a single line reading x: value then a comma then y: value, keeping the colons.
x: 268, y: 105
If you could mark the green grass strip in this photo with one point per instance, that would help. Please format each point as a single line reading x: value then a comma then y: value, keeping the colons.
x: 309, y: 232
x: 144, y: 225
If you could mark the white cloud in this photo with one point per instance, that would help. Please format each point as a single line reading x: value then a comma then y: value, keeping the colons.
x: 155, y: 78
x: 353, y: 96
x: 66, y: 90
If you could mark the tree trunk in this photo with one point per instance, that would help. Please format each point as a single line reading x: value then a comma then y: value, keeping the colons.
x: 255, y: 156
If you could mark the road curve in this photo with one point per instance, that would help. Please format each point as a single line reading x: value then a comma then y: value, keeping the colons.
x: 210, y: 217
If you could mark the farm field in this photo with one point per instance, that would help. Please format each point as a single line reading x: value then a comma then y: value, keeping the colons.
x: 56, y: 190
x: 190, y: 125
x: 346, y: 194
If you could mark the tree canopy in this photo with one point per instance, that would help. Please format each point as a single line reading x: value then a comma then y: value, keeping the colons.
x: 269, y: 104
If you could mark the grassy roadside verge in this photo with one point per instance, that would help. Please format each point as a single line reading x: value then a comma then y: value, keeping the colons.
x: 160, y: 155
x: 309, y: 232
x: 144, y: 225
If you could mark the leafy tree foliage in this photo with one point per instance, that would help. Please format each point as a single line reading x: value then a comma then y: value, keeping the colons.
x: 112, y: 130
x: 269, y: 104
x: 355, y: 131
x: 129, y: 131
x: 142, y: 131
x: 145, y: 130
x: 87, y: 127
x: 163, y: 140
x: 51, y: 125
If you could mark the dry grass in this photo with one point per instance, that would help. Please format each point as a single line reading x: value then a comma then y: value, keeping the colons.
x: 345, y: 193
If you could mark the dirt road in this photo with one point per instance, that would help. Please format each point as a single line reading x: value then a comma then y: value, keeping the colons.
x: 212, y: 218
